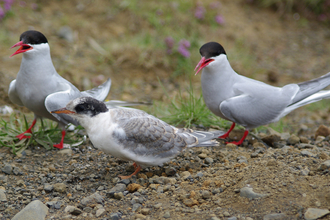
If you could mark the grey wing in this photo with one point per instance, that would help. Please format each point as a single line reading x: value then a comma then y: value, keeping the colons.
x: 100, y: 92
x: 312, y: 86
x: 255, y: 107
x: 13, y: 94
x: 150, y: 136
x: 60, y: 99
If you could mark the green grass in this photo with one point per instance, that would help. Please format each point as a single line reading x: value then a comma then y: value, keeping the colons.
x: 45, y: 134
x: 186, y: 109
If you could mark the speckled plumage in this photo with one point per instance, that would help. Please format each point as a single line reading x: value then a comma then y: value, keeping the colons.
x: 132, y: 134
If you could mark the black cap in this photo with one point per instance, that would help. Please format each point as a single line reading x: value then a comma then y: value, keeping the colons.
x: 33, y: 37
x: 211, y: 49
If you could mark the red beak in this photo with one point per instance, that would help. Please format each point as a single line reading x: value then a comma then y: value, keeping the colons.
x: 62, y: 111
x: 23, y: 48
x: 202, y: 63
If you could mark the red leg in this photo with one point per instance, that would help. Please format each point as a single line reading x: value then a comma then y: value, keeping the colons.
x: 227, y: 133
x: 22, y: 136
x: 137, y: 169
x: 60, y: 145
x: 246, y: 132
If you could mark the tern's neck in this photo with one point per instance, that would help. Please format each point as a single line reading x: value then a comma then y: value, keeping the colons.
x: 96, y: 123
x: 37, y: 64
x: 219, y: 70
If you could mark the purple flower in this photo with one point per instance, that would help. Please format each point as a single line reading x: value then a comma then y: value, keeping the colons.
x: 8, y: 4
x: 183, y: 48
x: 2, y: 13
x: 185, y: 43
x: 169, y: 41
x: 199, y: 12
x: 219, y: 19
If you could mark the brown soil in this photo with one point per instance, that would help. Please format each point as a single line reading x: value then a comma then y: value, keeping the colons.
x: 288, y: 50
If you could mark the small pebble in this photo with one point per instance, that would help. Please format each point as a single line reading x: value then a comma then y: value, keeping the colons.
x: 314, y: 213
x: 7, y: 169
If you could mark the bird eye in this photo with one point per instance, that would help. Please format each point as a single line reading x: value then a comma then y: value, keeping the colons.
x: 80, y: 108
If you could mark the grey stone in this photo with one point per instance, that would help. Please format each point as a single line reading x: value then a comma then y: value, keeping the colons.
x: 232, y: 218
x: 208, y: 160
x: 145, y: 211
x: 313, y: 213
x: 241, y: 159
x: 136, y: 207
x: 3, y: 197
x: 115, y: 216
x: 119, y: 187
x: 7, y: 169
x: 286, y: 149
x: 48, y: 187
x: 17, y: 171
x: 100, y: 188
x: 305, y: 146
x: 158, y: 205
x: 125, y: 181
x: 100, y: 212
x: 72, y: 210
x: 3, y: 178
x: 276, y: 216
x: 226, y: 214
x: 185, y: 174
x: 67, y: 151
x: 304, y: 172
x: 58, y: 204
x: 170, y: 171
x: 136, y: 200
x: 60, y: 187
x: 206, y: 194
x: 92, y: 199
x: 306, y: 153
x: 35, y: 210
x: 293, y: 140
x: 248, y: 193
x: 285, y: 136
x: 50, y: 204
x: 20, y: 183
x: 167, y: 215
x: 325, y: 165
x: 119, y: 195
x: 88, y: 209
x: 159, y: 180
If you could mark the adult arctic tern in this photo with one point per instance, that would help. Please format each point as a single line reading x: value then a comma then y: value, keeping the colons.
x: 41, y: 89
x: 246, y: 101
x: 132, y: 134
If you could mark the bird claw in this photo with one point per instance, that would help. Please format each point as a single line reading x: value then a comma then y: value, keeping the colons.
x: 137, y: 169
x: 59, y: 146
x: 22, y: 136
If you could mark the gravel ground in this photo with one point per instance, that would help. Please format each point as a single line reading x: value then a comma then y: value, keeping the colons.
x: 287, y: 179
x: 281, y: 176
